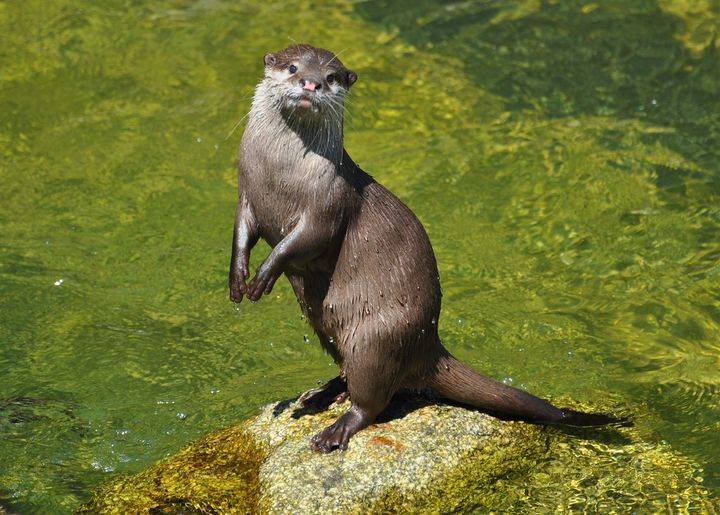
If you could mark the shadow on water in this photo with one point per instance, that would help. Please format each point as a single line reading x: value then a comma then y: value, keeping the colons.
x: 618, y: 58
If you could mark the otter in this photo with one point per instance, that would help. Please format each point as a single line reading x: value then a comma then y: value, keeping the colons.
x: 358, y: 259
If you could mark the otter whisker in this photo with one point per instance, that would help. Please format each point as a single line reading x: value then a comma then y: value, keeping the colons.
x: 336, y: 55
x: 236, y: 126
x: 344, y: 113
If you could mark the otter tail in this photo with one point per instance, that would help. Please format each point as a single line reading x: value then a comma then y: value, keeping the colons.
x: 460, y: 383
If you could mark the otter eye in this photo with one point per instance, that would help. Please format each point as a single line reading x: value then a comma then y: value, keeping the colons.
x: 330, y: 78
x: 292, y: 68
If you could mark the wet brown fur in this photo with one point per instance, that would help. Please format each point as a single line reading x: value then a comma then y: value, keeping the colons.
x: 358, y: 259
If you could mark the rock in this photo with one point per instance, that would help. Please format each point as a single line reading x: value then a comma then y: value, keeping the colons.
x: 425, y: 455
x: 421, y: 456
x: 217, y: 474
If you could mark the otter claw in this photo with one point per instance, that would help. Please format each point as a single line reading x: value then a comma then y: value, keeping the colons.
x: 237, y: 290
x: 320, y: 399
x: 255, y: 289
x: 334, y: 437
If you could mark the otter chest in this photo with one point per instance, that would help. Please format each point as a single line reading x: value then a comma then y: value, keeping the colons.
x: 283, y: 185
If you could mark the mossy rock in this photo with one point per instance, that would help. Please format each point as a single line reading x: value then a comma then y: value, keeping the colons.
x: 217, y: 474
x: 421, y: 456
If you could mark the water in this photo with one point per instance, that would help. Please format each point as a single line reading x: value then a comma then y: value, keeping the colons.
x: 563, y: 157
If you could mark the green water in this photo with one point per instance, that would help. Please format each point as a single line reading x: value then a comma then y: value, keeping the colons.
x: 563, y: 156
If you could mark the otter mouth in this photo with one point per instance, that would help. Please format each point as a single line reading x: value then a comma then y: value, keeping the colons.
x: 303, y: 101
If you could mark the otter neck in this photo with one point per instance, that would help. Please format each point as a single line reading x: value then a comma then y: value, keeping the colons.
x: 320, y: 132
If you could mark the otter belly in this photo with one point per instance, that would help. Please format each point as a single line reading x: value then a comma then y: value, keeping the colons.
x: 381, y: 291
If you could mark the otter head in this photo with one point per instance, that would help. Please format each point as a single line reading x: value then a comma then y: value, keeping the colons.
x: 307, y: 81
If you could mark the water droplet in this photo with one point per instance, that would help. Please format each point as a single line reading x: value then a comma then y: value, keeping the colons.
x: 122, y: 432
x: 507, y: 380
x: 99, y: 466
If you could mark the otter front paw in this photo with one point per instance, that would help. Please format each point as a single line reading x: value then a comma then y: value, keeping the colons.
x: 237, y: 288
x: 263, y: 282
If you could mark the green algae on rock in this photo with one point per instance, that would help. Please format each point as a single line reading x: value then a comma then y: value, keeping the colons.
x: 218, y: 473
x: 421, y: 456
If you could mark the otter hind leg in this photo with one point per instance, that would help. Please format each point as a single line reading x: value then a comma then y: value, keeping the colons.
x: 371, y: 387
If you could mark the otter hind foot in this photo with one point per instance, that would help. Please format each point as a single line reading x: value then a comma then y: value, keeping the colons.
x: 342, y: 397
x: 320, y: 399
x: 337, y: 435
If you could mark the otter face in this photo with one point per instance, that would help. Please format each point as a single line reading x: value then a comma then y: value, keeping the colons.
x: 308, y: 79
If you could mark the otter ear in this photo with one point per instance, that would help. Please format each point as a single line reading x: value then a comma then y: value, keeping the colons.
x: 269, y: 60
x: 351, y: 77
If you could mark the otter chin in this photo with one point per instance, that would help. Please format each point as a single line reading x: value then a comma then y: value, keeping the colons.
x: 305, y: 102
x: 358, y: 259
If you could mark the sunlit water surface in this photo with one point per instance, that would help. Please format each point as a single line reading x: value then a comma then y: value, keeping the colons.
x: 564, y: 158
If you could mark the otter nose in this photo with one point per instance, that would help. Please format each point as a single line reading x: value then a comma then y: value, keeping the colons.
x: 310, y: 85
